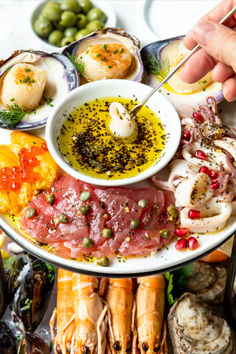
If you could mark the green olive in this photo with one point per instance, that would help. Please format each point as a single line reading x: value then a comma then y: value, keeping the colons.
x: 96, y: 14
x: 52, y: 12
x: 94, y: 25
x: 142, y: 203
x: 30, y: 212
x: 68, y: 19
x: 43, y: 27
x: 81, y: 21
x: 70, y: 5
x: 135, y: 224
x: 55, y: 37
x: 85, y: 209
x: 62, y: 218
x: 85, y: 195
x: 81, y: 33
x: 70, y: 32
x: 164, y: 233
x: 87, y: 242
x: 103, y: 261
x: 107, y: 233
x: 54, y: 3
x: 66, y: 41
x: 50, y: 198
x: 85, y: 5
x: 173, y: 211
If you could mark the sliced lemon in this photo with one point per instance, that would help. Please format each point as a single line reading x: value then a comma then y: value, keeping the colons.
x: 2, y: 239
x: 5, y: 255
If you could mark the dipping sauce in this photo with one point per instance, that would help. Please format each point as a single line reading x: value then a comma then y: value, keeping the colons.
x: 88, y: 144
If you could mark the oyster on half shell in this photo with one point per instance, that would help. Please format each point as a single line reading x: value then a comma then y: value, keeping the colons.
x: 108, y: 53
x: 195, y: 329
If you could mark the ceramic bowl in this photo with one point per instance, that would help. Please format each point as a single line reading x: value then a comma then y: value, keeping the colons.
x: 113, y: 88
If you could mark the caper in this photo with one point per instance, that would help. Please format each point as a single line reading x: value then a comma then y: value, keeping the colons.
x: 103, y: 261
x: 62, y: 218
x: 164, y: 233
x: 107, y: 233
x: 87, y: 242
x: 173, y: 211
x: 135, y: 224
x: 30, y: 212
x: 50, y: 198
x: 85, y: 195
x: 142, y: 203
x: 85, y: 209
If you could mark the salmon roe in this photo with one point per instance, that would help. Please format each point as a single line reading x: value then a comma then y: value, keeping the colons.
x: 11, y: 179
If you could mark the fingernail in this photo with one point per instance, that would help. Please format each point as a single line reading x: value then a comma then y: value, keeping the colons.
x: 202, y: 32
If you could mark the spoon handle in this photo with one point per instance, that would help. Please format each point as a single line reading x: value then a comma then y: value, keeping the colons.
x: 135, y: 110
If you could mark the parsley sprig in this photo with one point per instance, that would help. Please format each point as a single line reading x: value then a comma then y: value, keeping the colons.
x: 12, y: 115
x: 80, y: 65
x: 159, y: 69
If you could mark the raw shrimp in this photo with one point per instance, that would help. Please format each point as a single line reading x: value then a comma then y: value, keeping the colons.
x: 90, y: 316
x: 150, y: 300
x: 119, y: 297
x: 64, y: 313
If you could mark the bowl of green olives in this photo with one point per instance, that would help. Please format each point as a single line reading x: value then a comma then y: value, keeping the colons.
x: 61, y: 22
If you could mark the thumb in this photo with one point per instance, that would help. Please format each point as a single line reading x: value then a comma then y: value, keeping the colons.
x: 219, y: 41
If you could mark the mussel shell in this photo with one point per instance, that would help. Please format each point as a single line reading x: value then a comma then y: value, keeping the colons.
x: 32, y: 344
x: 7, y: 342
x: 69, y: 75
x: 30, y: 287
x: 138, y: 76
x: 3, y: 288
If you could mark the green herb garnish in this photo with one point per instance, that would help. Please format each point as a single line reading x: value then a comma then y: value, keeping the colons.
x: 104, y: 59
x: 8, y: 263
x: 80, y: 65
x: 158, y: 69
x: 50, y: 346
x: 12, y: 115
x: 109, y: 66
x: 12, y: 99
x: 19, y: 337
x: 122, y: 49
x: 105, y: 47
x: 51, y: 272
x: 98, y: 55
x: 115, y: 51
x: 28, y: 304
x: 27, y: 70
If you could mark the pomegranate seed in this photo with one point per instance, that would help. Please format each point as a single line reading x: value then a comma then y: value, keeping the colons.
x: 182, y: 232
x: 192, y: 243
x: 215, y: 185
x: 181, y: 244
x: 186, y: 134
x: 200, y: 155
x: 199, y: 117
x: 204, y: 169
x: 212, y: 174
x: 194, y: 214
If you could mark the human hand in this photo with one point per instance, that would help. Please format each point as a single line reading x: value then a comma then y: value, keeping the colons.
x: 218, y: 53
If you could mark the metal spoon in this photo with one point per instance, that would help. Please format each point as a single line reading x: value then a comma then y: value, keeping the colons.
x: 137, y: 108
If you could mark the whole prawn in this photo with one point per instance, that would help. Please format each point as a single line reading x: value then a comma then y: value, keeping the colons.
x: 64, y: 313
x: 150, y: 300
x: 119, y: 298
x: 90, y: 316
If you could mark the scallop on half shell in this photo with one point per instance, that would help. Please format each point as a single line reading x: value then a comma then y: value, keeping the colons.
x: 159, y: 59
x: 108, y: 53
x: 34, y: 82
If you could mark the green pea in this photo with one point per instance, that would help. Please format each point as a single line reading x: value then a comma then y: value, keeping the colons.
x: 43, y: 27
x: 70, y: 5
x: 135, y: 224
x: 103, y: 261
x: 173, y: 211
x: 85, y: 209
x: 66, y: 41
x: 70, y: 32
x: 62, y: 218
x: 85, y: 195
x: 55, y: 37
x: 87, y: 242
x: 81, y: 21
x: 107, y: 233
x: 164, y: 233
x: 94, y: 25
x: 81, y: 34
x: 30, y: 212
x: 68, y: 19
x: 85, y: 5
x: 96, y: 14
x: 50, y: 198
x: 52, y: 12
x: 142, y: 203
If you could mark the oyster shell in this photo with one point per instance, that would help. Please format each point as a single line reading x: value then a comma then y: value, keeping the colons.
x: 161, y: 57
x: 108, y: 53
x: 208, y: 282
x: 35, y: 81
x: 194, y: 329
